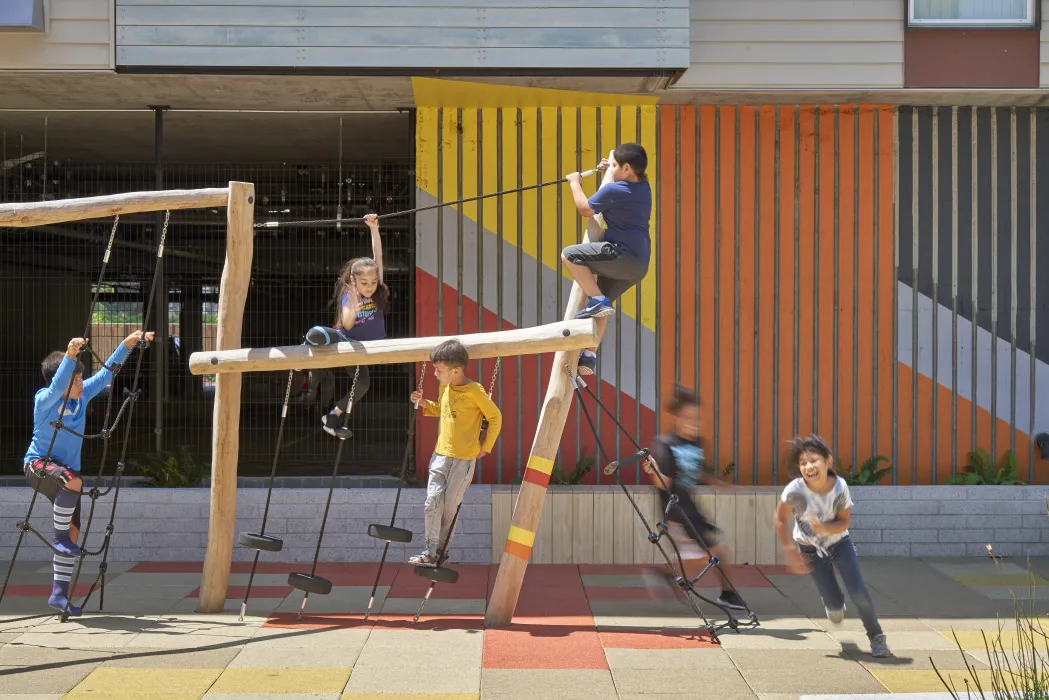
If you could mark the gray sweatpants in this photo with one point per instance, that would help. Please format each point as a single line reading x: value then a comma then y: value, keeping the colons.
x: 445, y: 490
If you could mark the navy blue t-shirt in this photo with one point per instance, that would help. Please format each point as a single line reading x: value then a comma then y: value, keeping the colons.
x: 627, y: 207
x: 370, y: 323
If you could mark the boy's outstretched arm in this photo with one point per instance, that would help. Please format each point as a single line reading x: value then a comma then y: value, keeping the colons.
x: 494, y: 416
x: 575, y: 183
x: 100, y: 379
x: 51, y: 397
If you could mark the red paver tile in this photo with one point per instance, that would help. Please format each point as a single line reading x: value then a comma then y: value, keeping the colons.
x: 776, y: 570
x: 540, y: 646
x: 237, y: 592
x: 621, y: 593
x: 43, y: 590
x: 552, y: 602
x: 620, y: 569
x: 657, y: 639
x: 472, y: 584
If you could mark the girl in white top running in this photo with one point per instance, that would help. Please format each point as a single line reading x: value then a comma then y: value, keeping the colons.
x: 821, y: 505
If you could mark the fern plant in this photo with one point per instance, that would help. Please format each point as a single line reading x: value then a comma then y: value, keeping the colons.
x: 173, y: 471
x: 981, y: 471
x: 868, y: 474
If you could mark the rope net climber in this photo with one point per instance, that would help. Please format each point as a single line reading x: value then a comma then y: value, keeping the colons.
x: 130, y: 398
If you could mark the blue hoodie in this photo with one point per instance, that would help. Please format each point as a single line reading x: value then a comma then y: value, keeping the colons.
x: 48, y: 402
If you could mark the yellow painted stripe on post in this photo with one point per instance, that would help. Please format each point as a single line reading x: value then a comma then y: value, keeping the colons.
x: 540, y: 464
x: 521, y: 536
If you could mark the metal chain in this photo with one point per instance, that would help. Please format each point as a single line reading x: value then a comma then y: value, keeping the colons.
x: 495, y: 373
x: 353, y: 388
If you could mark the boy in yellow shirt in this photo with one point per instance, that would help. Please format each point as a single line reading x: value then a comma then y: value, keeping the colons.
x: 461, y: 406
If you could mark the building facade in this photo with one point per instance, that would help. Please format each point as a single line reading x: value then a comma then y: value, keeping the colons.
x: 845, y: 229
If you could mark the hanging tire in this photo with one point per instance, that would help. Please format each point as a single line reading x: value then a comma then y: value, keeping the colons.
x: 309, y: 584
x: 389, y: 534
x: 263, y: 543
x: 437, y: 575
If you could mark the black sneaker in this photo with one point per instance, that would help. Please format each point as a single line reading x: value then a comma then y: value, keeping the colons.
x: 587, y: 364
x: 731, y: 600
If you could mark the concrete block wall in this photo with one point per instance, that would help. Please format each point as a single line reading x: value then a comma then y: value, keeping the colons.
x: 171, y: 524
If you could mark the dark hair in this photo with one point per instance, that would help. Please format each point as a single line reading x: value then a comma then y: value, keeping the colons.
x: 452, y: 353
x: 350, y: 270
x: 680, y: 398
x: 632, y: 154
x: 49, y: 367
x: 811, y: 443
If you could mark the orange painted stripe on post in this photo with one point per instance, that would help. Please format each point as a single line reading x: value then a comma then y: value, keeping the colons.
x: 806, y: 273
x: 538, y: 478
x: 785, y: 352
x: 865, y: 241
x: 842, y: 419
x: 688, y: 241
x: 518, y: 550
x: 886, y: 281
x: 725, y: 230
x: 766, y: 282
x: 666, y: 244
x: 744, y: 397
x: 825, y: 319
x: 707, y: 293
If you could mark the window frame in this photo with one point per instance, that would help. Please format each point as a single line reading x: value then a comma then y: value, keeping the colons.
x: 1034, y: 20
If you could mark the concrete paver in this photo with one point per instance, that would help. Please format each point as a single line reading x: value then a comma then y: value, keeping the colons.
x: 605, y: 632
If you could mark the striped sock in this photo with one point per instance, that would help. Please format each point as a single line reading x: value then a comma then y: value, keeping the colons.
x: 63, y: 568
x: 65, y: 505
x: 60, y: 591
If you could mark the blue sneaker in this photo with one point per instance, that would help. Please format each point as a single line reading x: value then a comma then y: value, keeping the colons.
x: 587, y: 363
x: 596, y: 307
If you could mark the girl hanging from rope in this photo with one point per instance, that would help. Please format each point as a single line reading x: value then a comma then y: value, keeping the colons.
x: 361, y: 300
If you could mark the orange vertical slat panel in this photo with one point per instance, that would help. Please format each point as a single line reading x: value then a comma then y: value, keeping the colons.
x: 806, y: 272
x: 865, y: 317
x: 886, y: 278
x: 847, y: 235
x: 725, y: 230
x: 688, y: 241
x: 707, y: 293
x: 667, y: 245
x: 744, y: 397
x: 766, y: 289
x: 785, y: 352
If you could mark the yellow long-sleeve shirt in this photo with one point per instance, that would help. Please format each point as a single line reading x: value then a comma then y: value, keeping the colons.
x: 461, y: 408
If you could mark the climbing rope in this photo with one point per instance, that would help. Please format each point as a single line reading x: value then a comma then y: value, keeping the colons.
x: 389, y: 533
x: 655, y: 536
x: 24, y: 526
x: 359, y: 220
x: 311, y: 583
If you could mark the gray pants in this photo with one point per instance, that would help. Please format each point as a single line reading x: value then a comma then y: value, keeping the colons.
x: 445, y: 490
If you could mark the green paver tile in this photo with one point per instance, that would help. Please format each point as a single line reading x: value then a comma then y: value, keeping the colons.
x: 917, y: 660
x: 898, y: 641
x: 137, y: 657
x: 655, y: 659
x: 546, y: 684
x: 302, y: 648
x: 435, y: 606
x: 796, y: 633
x: 25, y: 655
x: 802, y: 671
x: 418, y: 661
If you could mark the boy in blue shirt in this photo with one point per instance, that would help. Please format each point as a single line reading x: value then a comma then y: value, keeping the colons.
x: 605, y: 269
x: 58, y: 478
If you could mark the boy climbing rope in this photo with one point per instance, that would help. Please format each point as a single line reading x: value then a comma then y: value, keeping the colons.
x: 58, y: 476
x: 679, y: 459
x: 462, y: 404
x: 362, y: 300
x: 605, y: 269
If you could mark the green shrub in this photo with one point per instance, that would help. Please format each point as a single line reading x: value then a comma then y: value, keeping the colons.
x: 981, y: 471
x: 868, y: 474
x: 177, y: 470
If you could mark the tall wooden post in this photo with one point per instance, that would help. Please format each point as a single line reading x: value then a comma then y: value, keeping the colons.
x: 225, y: 439
x: 540, y: 464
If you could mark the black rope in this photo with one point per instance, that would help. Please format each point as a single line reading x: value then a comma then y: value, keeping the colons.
x: 269, y: 490
x: 407, y: 212
x: 331, y: 487
x: 132, y: 399
x: 65, y: 401
x: 397, y: 499
x: 683, y: 582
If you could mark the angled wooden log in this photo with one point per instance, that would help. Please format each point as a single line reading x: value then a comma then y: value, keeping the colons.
x: 552, y: 337
x: 536, y: 478
x: 59, y: 210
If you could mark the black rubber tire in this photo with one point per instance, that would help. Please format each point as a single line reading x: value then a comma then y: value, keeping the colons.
x: 389, y: 534
x: 263, y: 543
x: 439, y: 575
x: 309, y: 584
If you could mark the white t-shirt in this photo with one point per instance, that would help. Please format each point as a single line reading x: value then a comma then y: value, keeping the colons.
x: 824, y: 507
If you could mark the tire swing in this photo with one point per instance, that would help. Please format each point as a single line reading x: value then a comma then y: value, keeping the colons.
x: 389, y: 533
x: 311, y: 582
x: 440, y: 574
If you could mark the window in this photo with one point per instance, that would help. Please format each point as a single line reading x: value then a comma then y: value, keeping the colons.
x: 971, y: 13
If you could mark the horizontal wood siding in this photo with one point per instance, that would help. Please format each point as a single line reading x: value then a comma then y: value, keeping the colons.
x: 798, y: 44
x: 512, y: 34
x: 79, y: 37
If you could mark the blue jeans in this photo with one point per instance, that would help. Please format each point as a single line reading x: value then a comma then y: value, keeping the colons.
x: 842, y: 556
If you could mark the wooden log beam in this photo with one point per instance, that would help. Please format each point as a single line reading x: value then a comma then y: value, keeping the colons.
x: 225, y: 437
x: 59, y: 210
x: 553, y: 337
x: 529, y: 508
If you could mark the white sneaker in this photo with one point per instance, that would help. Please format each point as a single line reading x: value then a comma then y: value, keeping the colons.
x: 835, y: 616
